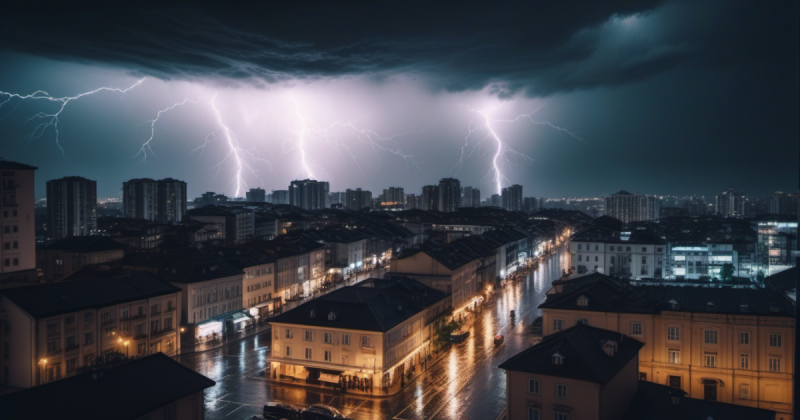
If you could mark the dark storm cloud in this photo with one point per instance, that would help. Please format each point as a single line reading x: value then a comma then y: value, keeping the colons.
x: 538, y: 46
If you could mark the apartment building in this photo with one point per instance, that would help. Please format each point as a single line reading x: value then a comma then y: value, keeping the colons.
x: 258, y: 281
x: 66, y: 256
x: 370, y: 338
x: 299, y: 265
x: 55, y: 329
x: 441, y: 268
x: 734, y: 345
x: 630, y: 254
x: 17, y: 236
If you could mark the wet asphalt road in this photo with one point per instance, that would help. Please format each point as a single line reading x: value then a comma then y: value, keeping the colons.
x: 464, y: 384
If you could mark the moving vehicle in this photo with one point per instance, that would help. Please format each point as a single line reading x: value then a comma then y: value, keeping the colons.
x: 498, y: 339
x: 459, y: 336
x: 322, y: 412
x: 276, y: 411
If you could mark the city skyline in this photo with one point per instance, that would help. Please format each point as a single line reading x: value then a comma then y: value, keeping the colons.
x: 615, y: 97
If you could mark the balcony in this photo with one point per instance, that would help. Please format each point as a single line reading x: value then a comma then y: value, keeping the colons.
x: 367, y: 350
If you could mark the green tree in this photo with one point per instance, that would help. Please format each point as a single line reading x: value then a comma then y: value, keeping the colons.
x: 726, y: 273
x: 760, y: 277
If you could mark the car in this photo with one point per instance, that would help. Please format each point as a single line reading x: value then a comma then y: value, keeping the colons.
x: 322, y: 412
x: 498, y: 339
x: 276, y: 411
x: 459, y: 336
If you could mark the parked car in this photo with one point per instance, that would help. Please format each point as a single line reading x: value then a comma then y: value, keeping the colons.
x: 277, y: 411
x: 459, y: 336
x: 322, y: 412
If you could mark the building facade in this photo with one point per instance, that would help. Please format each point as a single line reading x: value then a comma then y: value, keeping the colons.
x: 358, y: 199
x: 309, y: 194
x: 449, y: 195
x: 470, y: 197
x: 256, y: 195
x: 162, y: 201
x: 71, y: 207
x: 430, y: 197
x: 17, y: 227
x: 730, y: 203
x: 512, y: 198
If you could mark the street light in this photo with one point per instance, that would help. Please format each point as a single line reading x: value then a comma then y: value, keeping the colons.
x: 44, y: 370
x: 126, y: 347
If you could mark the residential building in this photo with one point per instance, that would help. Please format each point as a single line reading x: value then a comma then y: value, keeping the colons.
x: 582, y: 372
x: 393, y: 198
x: 299, y: 266
x: 633, y: 254
x: 470, y: 197
x: 696, y: 261
x: 629, y: 207
x: 338, y: 199
x: 17, y: 227
x: 734, y: 345
x: 449, y: 195
x: 162, y: 201
x: 531, y: 204
x: 777, y: 246
x: 730, y: 203
x: 495, y: 200
x: 512, y: 198
x: 237, y: 225
x: 256, y: 195
x: 358, y: 199
x: 279, y: 197
x: 430, y: 197
x: 309, y: 194
x: 210, y: 199
x: 66, y: 256
x: 55, y: 329
x: 258, y: 281
x: 783, y: 203
x: 369, y: 338
x: 413, y: 202
x: 152, y: 387
x: 71, y: 207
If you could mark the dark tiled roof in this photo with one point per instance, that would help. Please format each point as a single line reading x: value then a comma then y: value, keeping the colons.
x: 462, y: 251
x: 371, y: 305
x: 584, y: 357
x: 128, y: 391
x: 606, y: 294
x: 193, y: 269
x: 784, y: 280
x: 7, y: 164
x: 654, y: 402
x: 286, y: 246
x: 85, y: 244
x: 59, y: 298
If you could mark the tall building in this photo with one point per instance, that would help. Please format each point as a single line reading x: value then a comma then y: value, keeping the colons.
x: 730, y: 203
x: 279, y: 197
x: 449, y: 194
x: 782, y: 203
x: 309, y: 194
x: 210, y: 198
x: 629, y: 207
x: 71, y: 207
x: 430, y: 197
x: 358, y: 199
x: 413, y: 201
x: 393, y: 198
x: 161, y: 201
x: 337, y: 197
x: 532, y: 203
x: 495, y: 201
x: 470, y: 197
x: 512, y: 198
x: 256, y: 195
x: 18, y: 253
x: 649, y: 208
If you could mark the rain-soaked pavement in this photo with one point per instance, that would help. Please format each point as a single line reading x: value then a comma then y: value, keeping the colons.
x: 464, y: 384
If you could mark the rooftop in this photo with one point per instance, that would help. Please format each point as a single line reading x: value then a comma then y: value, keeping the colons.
x: 48, y: 300
x: 128, y: 391
x: 582, y: 353
x: 85, y: 244
x: 9, y: 165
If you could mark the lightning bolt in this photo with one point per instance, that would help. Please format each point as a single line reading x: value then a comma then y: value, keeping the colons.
x: 146, y: 145
x: 501, y: 150
x: 52, y: 120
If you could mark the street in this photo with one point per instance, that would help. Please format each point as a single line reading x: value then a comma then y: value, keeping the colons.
x: 464, y: 384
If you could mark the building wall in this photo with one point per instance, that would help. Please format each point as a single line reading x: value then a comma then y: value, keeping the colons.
x: 58, y: 264
x: 633, y: 260
x: 210, y: 298
x: 770, y: 390
x: 18, y: 218
x: 582, y: 402
x: 43, y: 350
x: 616, y: 396
x: 258, y: 284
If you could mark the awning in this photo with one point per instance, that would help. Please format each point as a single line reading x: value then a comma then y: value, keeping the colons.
x: 327, y: 377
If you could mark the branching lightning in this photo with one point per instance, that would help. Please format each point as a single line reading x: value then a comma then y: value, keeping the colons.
x: 501, y: 150
x: 146, y: 145
x: 52, y: 120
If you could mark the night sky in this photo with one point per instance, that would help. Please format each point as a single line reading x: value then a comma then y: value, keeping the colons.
x: 680, y: 97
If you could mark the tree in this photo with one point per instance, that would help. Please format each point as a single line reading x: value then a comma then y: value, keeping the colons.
x: 760, y: 277
x: 726, y: 273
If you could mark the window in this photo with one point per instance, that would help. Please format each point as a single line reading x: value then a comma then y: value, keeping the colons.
x: 308, y: 353
x: 69, y: 320
x: 72, y: 365
x: 775, y: 340
x: 774, y: 364
x: 744, y: 361
x: 558, y: 324
x: 561, y: 391
x: 580, y: 257
x: 327, y: 354
x: 533, y: 386
x: 710, y: 360
x: 674, y: 356
x: 534, y: 414
x: 346, y: 339
x: 52, y: 346
x: 744, y: 337
x: 365, y: 341
x: 612, y: 248
x: 327, y: 338
x: 674, y: 333
x: 289, y: 333
x: 580, y: 247
x: 70, y: 342
x: 309, y: 335
x: 581, y: 321
x: 744, y: 391
x: 711, y: 337
x: 636, y: 328
x: 596, y: 258
x: 583, y: 301
x: 88, y: 339
x: 87, y: 318
x: 562, y: 416
x: 288, y: 351
x: 627, y: 249
x: 644, y: 249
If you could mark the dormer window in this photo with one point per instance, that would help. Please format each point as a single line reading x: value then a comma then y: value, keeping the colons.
x: 312, y: 314
x: 583, y: 301
x: 610, y: 347
x: 710, y: 306
x: 558, y: 358
x: 331, y: 316
x: 673, y: 304
x: 744, y: 308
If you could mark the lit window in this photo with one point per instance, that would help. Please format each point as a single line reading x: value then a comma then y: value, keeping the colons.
x: 674, y: 356
x: 744, y: 361
x: 636, y: 328
x: 673, y: 333
x: 774, y: 364
x: 711, y: 360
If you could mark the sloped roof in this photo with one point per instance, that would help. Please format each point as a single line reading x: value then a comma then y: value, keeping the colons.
x: 783, y: 280
x: 371, y: 305
x: 48, y: 300
x: 582, y: 349
x: 128, y: 391
x: 7, y: 164
x: 85, y: 244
